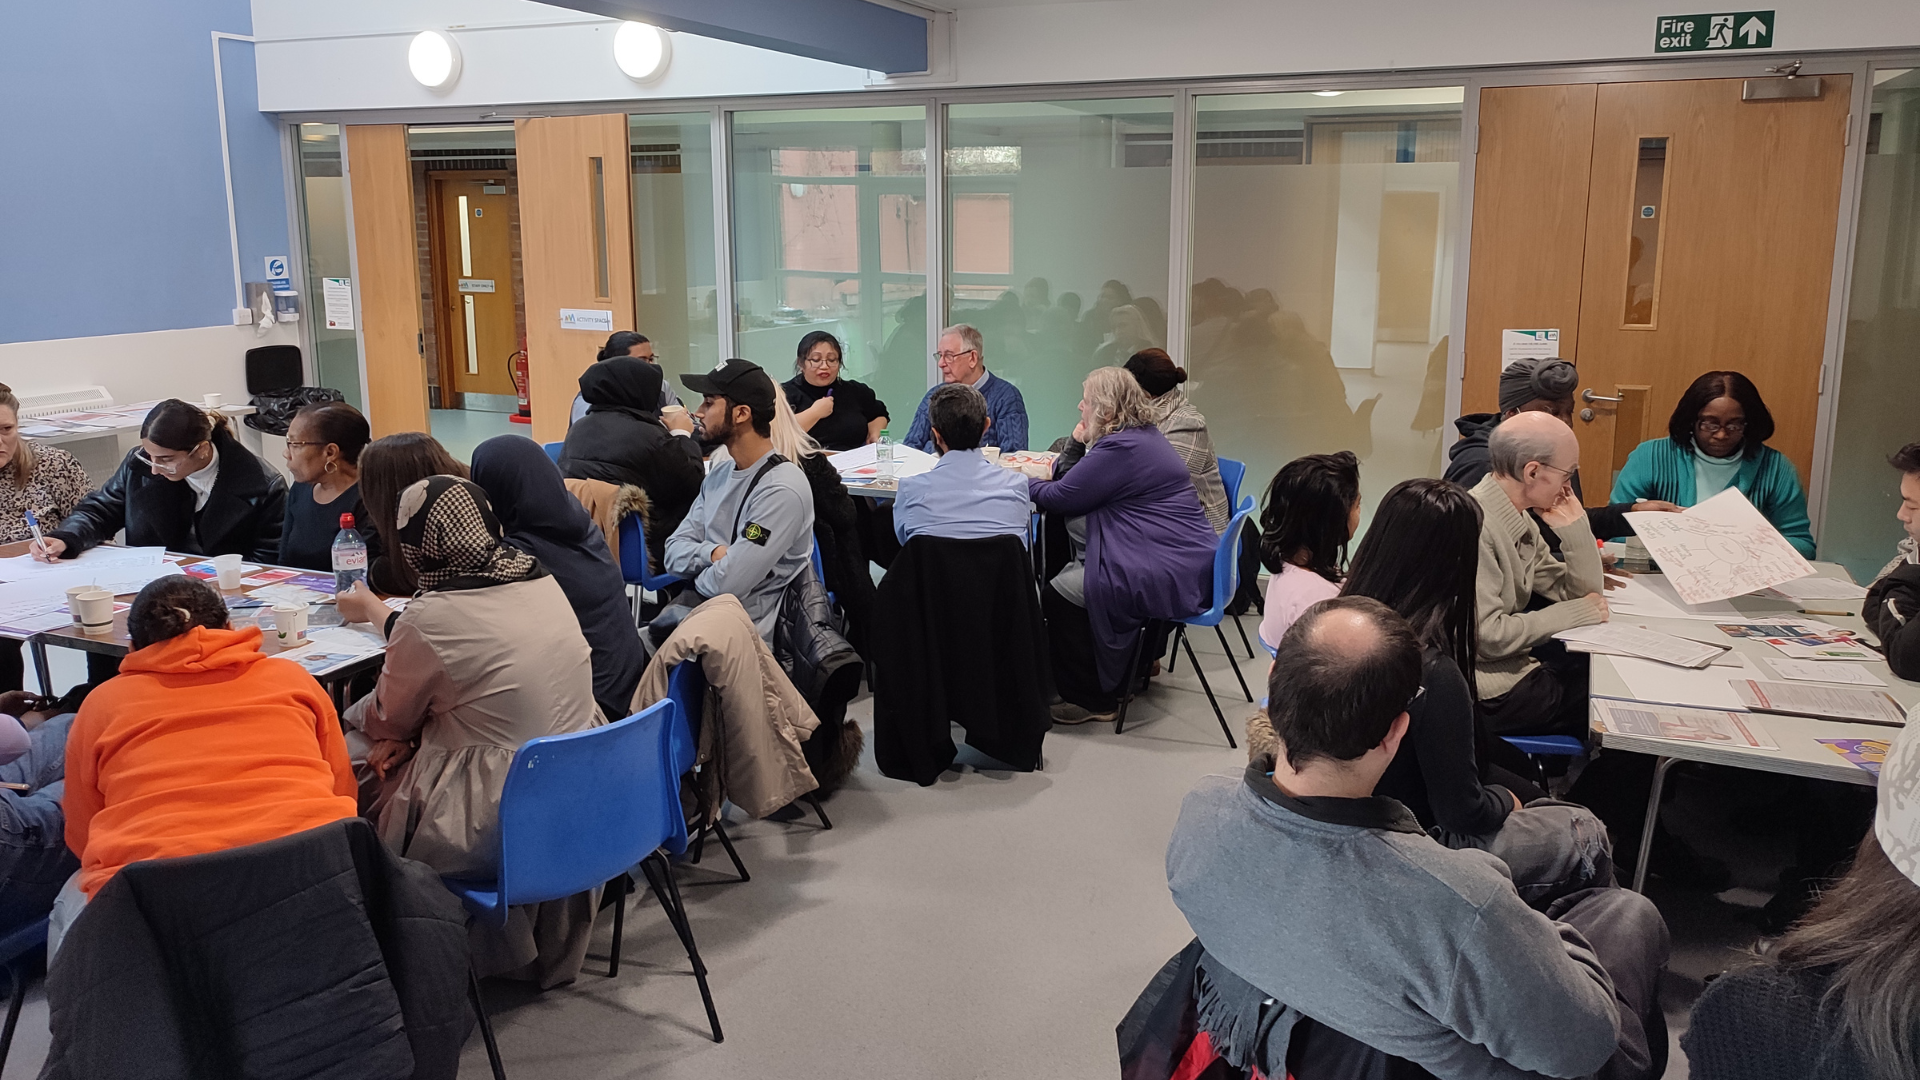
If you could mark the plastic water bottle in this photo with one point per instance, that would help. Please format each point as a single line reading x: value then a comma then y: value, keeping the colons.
x: 883, y: 457
x: 349, y: 556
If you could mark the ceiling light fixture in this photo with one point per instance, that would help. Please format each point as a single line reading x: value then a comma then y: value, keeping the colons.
x: 434, y: 60
x: 642, y: 51
x: 1328, y: 93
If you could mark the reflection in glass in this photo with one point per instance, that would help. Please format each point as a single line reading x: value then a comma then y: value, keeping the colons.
x: 673, y: 279
x: 1879, y: 375
x: 1057, y: 233
x: 1649, y: 214
x: 336, y: 361
x: 829, y: 234
x: 1324, y: 235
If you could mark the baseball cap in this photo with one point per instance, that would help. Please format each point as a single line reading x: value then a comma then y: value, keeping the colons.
x: 742, y: 382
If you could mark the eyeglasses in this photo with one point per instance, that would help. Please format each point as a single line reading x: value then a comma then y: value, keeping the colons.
x: 950, y: 357
x: 291, y: 444
x: 171, y: 465
x: 822, y: 361
x: 1570, y: 473
x: 1715, y: 427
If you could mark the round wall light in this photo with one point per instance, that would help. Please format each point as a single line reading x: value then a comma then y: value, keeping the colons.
x: 434, y: 60
x: 642, y: 51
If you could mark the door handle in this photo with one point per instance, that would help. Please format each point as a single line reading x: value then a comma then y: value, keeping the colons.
x: 1589, y: 396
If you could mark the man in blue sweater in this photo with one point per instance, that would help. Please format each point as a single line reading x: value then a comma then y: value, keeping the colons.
x: 963, y: 361
x: 1335, y: 904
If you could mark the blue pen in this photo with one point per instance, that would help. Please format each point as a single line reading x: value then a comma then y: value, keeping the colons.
x: 34, y: 524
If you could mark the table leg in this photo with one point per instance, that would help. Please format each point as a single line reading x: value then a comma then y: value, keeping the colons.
x: 41, y: 669
x: 1653, y: 818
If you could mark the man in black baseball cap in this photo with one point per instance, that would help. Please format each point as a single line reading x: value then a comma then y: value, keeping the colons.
x: 741, y: 382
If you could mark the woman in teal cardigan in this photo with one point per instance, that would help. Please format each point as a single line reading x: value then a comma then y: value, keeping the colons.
x: 1716, y: 439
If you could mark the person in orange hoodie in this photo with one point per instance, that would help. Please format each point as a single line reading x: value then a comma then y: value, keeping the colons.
x: 202, y: 743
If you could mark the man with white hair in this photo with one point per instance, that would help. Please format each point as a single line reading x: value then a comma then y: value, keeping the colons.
x: 1533, y: 458
x: 963, y: 360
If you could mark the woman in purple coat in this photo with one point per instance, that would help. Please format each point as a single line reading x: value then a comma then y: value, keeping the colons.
x: 1143, y: 548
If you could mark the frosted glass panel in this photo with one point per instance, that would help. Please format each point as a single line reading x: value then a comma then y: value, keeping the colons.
x: 671, y: 159
x: 336, y: 359
x: 1057, y: 217
x: 1880, y: 374
x: 1324, y: 233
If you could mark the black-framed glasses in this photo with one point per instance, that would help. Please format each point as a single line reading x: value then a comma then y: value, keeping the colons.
x: 1569, y: 473
x: 822, y: 361
x: 1706, y: 426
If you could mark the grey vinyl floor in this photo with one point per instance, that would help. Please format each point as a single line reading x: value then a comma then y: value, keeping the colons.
x: 995, y: 924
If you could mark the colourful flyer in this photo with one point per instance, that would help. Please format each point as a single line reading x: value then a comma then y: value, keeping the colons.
x: 1866, y: 753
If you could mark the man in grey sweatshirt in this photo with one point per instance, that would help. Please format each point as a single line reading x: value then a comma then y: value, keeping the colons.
x: 1335, y: 904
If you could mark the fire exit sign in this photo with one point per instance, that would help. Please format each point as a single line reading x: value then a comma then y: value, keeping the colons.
x: 1713, y: 32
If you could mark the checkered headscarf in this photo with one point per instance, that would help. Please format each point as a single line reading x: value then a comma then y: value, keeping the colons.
x: 451, y: 540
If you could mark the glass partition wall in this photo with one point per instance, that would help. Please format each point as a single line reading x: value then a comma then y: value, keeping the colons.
x: 336, y: 349
x: 676, y: 299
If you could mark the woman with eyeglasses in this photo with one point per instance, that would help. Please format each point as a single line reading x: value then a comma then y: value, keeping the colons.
x: 189, y: 486
x: 323, y: 454
x: 840, y: 414
x: 1717, y: 439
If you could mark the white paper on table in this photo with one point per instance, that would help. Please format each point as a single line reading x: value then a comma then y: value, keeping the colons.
x: 1794, y: 650
x: 1683, y: 725
x: 1818, y: 671
x: 97, y: 560
x: 355, y: 637
x: 1651, y: 596
x: 858, y: 464
x: 1821, y: 702
x: 288, y: 594
x: 1629, y: 640
x: 1820, y: 588
x: 1721, y: 548
x: 1650, y: 680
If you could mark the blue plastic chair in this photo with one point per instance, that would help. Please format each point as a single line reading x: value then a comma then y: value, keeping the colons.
x: 633, y: 560
x: 17, y: 951
x: 687, y: 689
x: 1226, y: 582
x: 1233, y: 474
x: 553, y: 450
x: 579, y: 810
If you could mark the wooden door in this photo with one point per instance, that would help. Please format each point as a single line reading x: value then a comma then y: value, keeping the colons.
x: 387, y: 276
x: 473, y: 287
x: 1710, y: 236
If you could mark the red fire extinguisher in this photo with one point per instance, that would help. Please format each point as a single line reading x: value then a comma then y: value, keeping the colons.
x: 517, y: 364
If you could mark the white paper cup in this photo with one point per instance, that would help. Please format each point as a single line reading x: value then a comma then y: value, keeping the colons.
x: 73, y: 601
x: 289, y: 623
x: 96, y: 611
x: 992, y: 453
x: 213, y: 401
x: 227, y: 570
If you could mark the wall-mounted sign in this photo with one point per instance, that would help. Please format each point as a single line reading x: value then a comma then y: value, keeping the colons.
x: 279, y: 273
x: 586, y: 319
x: 1528, y: 345
x: 337, y: 299
x: 1713, y: 32
x: 476, y: 284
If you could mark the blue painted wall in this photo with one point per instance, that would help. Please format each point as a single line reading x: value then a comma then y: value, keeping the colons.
x: 113, y: 207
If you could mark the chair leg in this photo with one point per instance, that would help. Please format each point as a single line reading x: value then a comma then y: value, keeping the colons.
x: 1231, y: 659
x: 1126, y: 691
x: 660, y: 876
x: 1173, y: 652
x: 1244, y: 643
x: 819, y: 810
x: 1211, y: 700
x: 19, y: 974
x: 720, y: 831
x: 623, y: 884
x: 486, y: 1026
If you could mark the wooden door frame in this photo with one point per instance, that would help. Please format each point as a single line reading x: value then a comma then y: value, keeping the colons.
x: 1744, y: 65
x: 443, y: 301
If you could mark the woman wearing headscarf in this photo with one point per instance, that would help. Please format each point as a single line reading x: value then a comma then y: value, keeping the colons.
x: 623, y: 439
x: 540, y: 517
x: 486, y: 656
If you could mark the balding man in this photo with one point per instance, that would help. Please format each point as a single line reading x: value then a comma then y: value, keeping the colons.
x: 962, y: 358
x: 1532, y: 459
x: 1309, y: 891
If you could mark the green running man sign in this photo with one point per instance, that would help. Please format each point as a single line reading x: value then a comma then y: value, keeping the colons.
x: 1713, y: 32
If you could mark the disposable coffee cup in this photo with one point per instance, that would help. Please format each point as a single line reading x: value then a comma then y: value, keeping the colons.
x: 992, y: 453
x: 96, y: 611
x: 73, y: 601
x: 665, y: 409
x: 213, y: 401
x: 289, y: 624
x: 227, y: 571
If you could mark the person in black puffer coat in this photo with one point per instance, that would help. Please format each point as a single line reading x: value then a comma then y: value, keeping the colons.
x: 623, y: 440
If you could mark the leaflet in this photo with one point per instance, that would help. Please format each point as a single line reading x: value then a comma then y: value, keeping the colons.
x: 1681, y: 724
x: 1623, y: 639
x: 1718, y: 549
x: 1815, y: 671
x: 1821, y: 702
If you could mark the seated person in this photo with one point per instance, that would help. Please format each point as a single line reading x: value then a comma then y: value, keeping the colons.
x: 625, y: 439
x: 323, y: 455
x: 1421, y: 558
x: 1331, y: 900
x: 750, y: 530
x: 34, y: 860
x: 964, y: 496
x: 1533, y: 456
x: 389, y: 466
x: 1313, y: 510
x: 1894, y: 598
x: 35, y: 478
x: 202, y: 743
x: 624, y: 343
x: 1143, y: 549
x: 486, y: 656
x: 1184, y: 426
x: 962, y: 361
x: 840, y: 414
x: 1717, y: 439
x: 1834, y: 997
x: 1534, y: 386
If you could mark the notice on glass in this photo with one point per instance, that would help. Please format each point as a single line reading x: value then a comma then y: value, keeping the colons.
x: 1680, y: 724
x: 1719, y: 549
x: 336, y: 294
x: 1528, y: 345
x: 1821, y: 702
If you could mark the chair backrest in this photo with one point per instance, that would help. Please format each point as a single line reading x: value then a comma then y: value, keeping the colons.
x: 687, y: 688
x: 274, y: 367
x: 632, y: 556
x: 581, y: 808
x: 1226, y: 564
x: 1232, y: 475
x: 553, y: 450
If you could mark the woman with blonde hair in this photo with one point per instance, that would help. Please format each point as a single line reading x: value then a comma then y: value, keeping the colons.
x: 36, y: 479
x: 1143, y: 548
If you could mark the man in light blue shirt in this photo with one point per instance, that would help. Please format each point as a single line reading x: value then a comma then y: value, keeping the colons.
x: 964, y: 496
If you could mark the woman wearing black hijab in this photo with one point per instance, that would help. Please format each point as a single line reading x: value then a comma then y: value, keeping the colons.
x: 541, y: 518
x: 624, y: 440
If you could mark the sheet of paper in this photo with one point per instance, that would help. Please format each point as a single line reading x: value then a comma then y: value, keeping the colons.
x: 97, y: 560
x: 1683, y: 725
x: 1822, y: 702
x: 1869, y: 754
x: 1650, y: 680
x: 1630, y: 640
x: 336, y: 297
x: 288, y: 594
x: 1719, y: 549
x: 1820, y: 588
x: 1651, y: 596
x: 1528, y: 345
x: 857, y: 465
x: 1795, y: 650
x: 1820, y: 671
